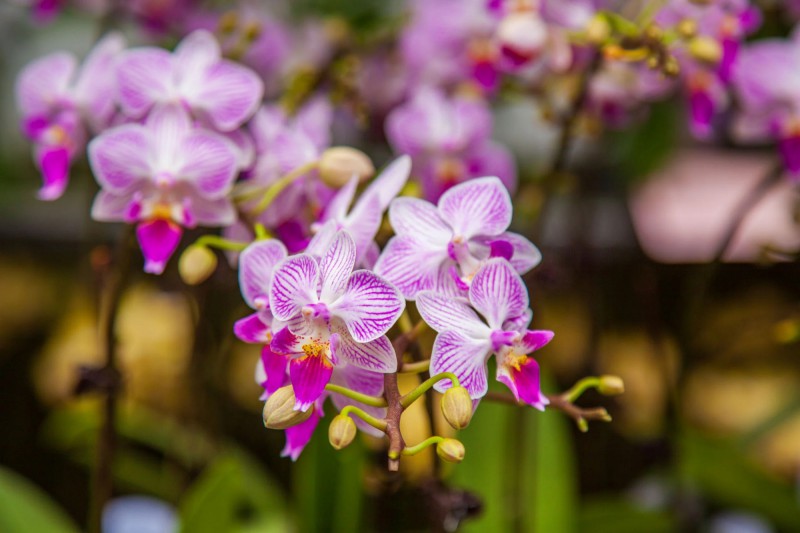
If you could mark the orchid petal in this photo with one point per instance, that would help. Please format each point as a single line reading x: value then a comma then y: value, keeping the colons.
x: 522, y: 378
x: 286, y: 342
x: 498, y: 293
x: 444, y: 313
x: 275, y: 365
x: 532, y: 340
x: 194, y: 54
x: 377, y: 355
x: 54, y: 164
x: 119, y: 158
x: 256, y: 265
x: 337, y: 207
x: 145, y: 76
x: 309, y: 375
x: 158, y: 240
x: 411, y: 266
x: 228, y: 95
x: 210, y: 163
x: 419, y: 219
x: 94, y: 89
x: 168, y: 126
x: 477, y: 207
x: 336, y: 266
x: 252, y: 329
x: 294, y: 284
x: 108, y: 207
x: 43, y: 82
x: 364, y: 222
x: 369, y: 306
x: 205, y: 212
x: 463, y: 356
x: 299, y: 435
x: 390, y: 181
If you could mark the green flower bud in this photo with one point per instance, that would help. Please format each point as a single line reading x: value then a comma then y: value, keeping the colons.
x: 611, y: 385
x: 705, y: 49
x: 340, y: 163
x: 342, y: 431
x: 196, y: 264
x: 457, y: 407
x: 279, y: 411
x: 451, y: 450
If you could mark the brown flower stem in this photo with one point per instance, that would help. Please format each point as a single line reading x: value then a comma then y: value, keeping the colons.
x: 561, y: 402
x: 110, y: 383
x: 393, y: 413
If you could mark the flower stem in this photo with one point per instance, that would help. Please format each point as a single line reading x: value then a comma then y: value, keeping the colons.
x: 413, y: 450
x: 417, y: 367
x: 580, y: 387
x: 366, y: 417
x: 373, y: 401
x: 273, y: 190
x: 423, y: 387
x: 102, y: 477
x: 221, y: 243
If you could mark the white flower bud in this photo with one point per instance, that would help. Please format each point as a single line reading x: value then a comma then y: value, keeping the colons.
x: 340, y: 163
x: 279, y: 411
x: 457, y: 407
x: 342, y: 431
x: 451, y: 450
x: 196, y: 264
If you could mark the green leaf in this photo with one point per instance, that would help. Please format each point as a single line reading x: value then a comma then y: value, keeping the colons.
x: 24, y: 507
x: 542, y: 463
x: 234, y: 495
x: 618, y: 515
x: 720, y: 469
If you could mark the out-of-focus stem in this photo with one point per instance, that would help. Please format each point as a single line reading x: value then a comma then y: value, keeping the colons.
x: 221, y: 243
x: 102, y: 479
x: 416, y: 367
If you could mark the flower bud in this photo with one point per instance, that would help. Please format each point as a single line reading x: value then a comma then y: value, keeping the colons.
x: 598, y: 30
x: 611, y: 385
x: 457, y: 407
x: 705, y: 49
x: 522, y: 36
x: 342, y: 431
x: 687, y: 28
x: 451, y: 450
x: 279, y: 411
x: 196, y: 264
x: 340, y: 163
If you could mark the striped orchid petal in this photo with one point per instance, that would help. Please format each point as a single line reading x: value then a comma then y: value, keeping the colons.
x: 369, y: 306
x: 256, y: 266
x: 336, y: 266
x: 498, y: 293
x: 444, y: 313
x: 294, y: 285
x: 377, y: 355
x: 477, y: 207
x: 463, y: 356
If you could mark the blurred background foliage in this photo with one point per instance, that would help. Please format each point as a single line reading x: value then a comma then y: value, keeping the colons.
x: 706, y: 437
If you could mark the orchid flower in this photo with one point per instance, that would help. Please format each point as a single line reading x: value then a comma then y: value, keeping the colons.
x: 220, y: 92
x: 449, y: 141
x: 465, y: 341
x: 333, y: 316
x: 442, y: 247
x: 61, y: 104
x: 163, y: 175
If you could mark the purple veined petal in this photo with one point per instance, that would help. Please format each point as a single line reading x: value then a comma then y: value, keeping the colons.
x: 119, y: 158
x: 480, y: 206
x: 42, y: 83
x: 108, y: 207
x: 256, y: 265
x: 267, y: 122
x: 197, y: 52
x: 525, y: 255
x: 411, y: 266
x: 358, y: 379
x: 521, y: 376
x: 390, y: 181
x: 370, y: 256
x: 336, y: 266
x: 377, y: 355
x: 322, y: 239
x: 339, y: 204
x: 498, y: 293
x: 252, y: 330
x: 294, y: 284
x: 532, y: 340
x: 419, y: 219
x: 463, y: 356
x: 54, y: 164
x: 789, y: 148
x: 293, y: 149
x: 285, y: 342
x: 168, y: 125
x: 145, y: 76
x: 444, y: 313
x: 309, y: 375
x: 299, y: 435
x: 228, y: 94
x: 94, y: 89
x: 158, y: 240
x: 369, y: 306
x: 519, y: 322
x: 364, y: 222
x: 210, y: 163
x: 245, y: 147
x: 275, y: 366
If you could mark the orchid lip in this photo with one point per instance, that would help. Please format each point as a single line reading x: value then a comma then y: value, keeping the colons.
x: 317, y: 310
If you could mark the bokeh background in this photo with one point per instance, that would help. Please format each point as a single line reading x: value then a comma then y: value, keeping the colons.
x: 705, y: 438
